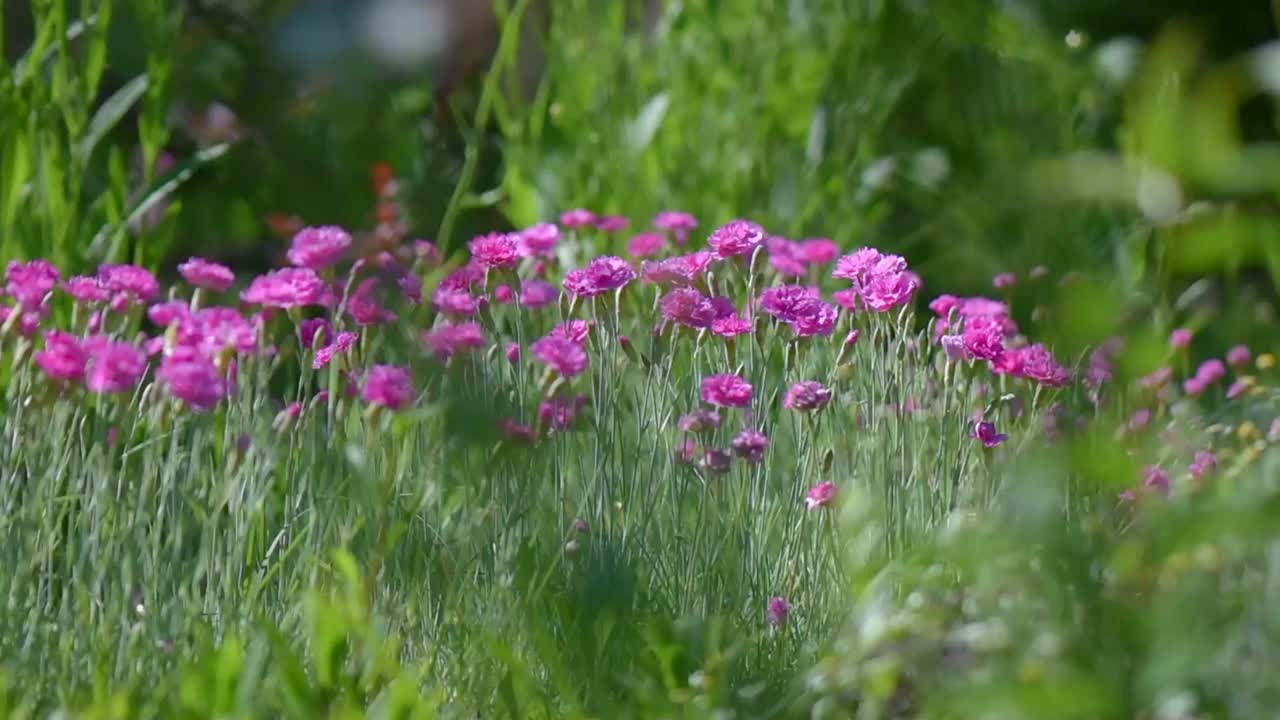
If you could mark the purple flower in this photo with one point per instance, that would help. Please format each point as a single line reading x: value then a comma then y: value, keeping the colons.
x: 62, y: 358
x: 821, y: 322
x: 318, y: 247
x: 785, y: 257
x: 513, y: 352
x: 789, y: 303
x: 806, y: 396
x: 986, y: 433
x: 750, y: 445
x: 559, y: 413
x: 1238, y: 356
x: 113, y: 366
x: 340, y: 345
x: 30, y: 282
x: 1139, y: 420
x: 679, y: 270
x: 495, y: 250
x: 1037, y: 363
x: 453, y: 301
x: 818, y: 251
x: 573, y: 330
x: 1203, y: 465
x: 688, y: 307
x: 192, y: 378
x: 1180, y: 338
x: 729, y: 326
x: 207, y: 275
x: 886, y: 291
x: 86, y: 290
x: 679, y: 224
x: 313, y: 330
x: 716, y: 461
x: 1239, y: 387
x: 287, y: 288
x: 541, y: 239
x: 388, y: 386
x: 777, y: 611
x: 1194, y: 386
x: 856, y: 265
x: 565, y: 356
x: 1153, y: 477
x: 578, y: 218
x: 129, y: 281
x: 984, y: 338
x: 735, y: 238
x: 167, y: 313
x: 821, y: 495
x: 699, y: 421
x: 602, y: 275
x: 646, y: 245
x: 535, y: 294
x: 1156, y: 379
x: 219, y: 329
x: 1004, y: 281
x: 445, y: 341
x: 611, y: 223
x: 954, y: 347
x: 726, y: 390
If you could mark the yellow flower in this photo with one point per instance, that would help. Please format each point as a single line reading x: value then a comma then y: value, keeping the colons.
x: 1247, y: 430
x: 1266, y: 361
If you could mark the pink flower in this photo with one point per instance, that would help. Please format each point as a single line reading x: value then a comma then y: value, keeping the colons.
x: 777, y: 611
x: 612, y: 223
x: 565, y: 356
x: 686, y: 452
x: 192, y: 378
x: 1238, y: 356
x: 62, y: 358
x: 1156, y: 379
x: 678, y: 270
x: 113, y: 366
x: 818, y: 251
x: 504, y: 295
x: 495, y: 251
x: 388, y: 386
x: 609, y: 273
x: 1194, y: 386
x: 943, y: 305
x: 807, y: 396
x: 852, y: 338
x: 207, y: 275
x: 985, y: 432
x: 984, y: 338
x: 1037, y: 363
x: 953, y: 345
x: 699, y: 421
x: 447, y: 340
x: 857, y: 265
x: 750, y: 445
x: 726, y: 390
x: 1004, y: 281
x: 1139, y: 420
x: 1155, y: 478
x: 884, y: 292
x: 735, y: 238
x: 129, y: 281
x: 1211, y: 371
x: 30, y: 282
x: 559, y: 413
x: 716, y: 461
x: 1180, y: 338
x: 451, y: 301
x: 679, y: 224
x: 785, y: 257
x: 821, y: 322
x: 1238, y: 388
x: 86, y: 290
x: 287, y: 288
x: 218, y: 329
x: 516, y: 431
x: 340, y: 345
x: 646, y: 245
x: 465, y: 277
x: 821, y: 495
x: 579, y: 284
x: 364, y: 308
x: 535, y: 294
x: 688, y: 307
x: 729, y: 326
x: 318, y: 247
x: 1204, y: 464
x: 425, y: 250
x: 167, y: 313
x: 789, y: 303
x: 575, y: 331
x: 513, y: 352
x: 313, y: 330
x: 541, y: 239
x: 578, y: 218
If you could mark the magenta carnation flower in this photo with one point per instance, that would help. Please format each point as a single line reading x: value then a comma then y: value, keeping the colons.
x: 1203, y: 465
x: 207, y: 275
x: 167, y: 313
x: 1038, y: 364
x: 735, y: 238
x: 716, y: 461
x: 789, y: 303
x: 541, y: 239
x: 287, y: 288
x: 679, y: 224
x: 1238, y: 356
x: 821, y: 495
x: 29, y: 282
x: 129, y: 281
x: 113, y: 366
x: 646, y: 245
x: 777, y: 611
x: 984, y: 338
x: 495, y: 250
x: 86, y: 290
x: 318, y: 247
x: 192, y: 378
x: 818, y: 251
x: 856, y: 265
x: 820, y: 322
x: 1211, y: 371
x: 985, y: 433
x: 1004, y: 281
x: 688, y: 307
x: 363, y: 305
x: 565, y: 356
x: 221, y: 329
x: 454, y: 301
x: 806, y: 396
x: 313, y: 330
x: 387, y: 386
x: 884, y: 292
x: 726, y: 390
x: 699, y: 421
x: 728, y: 326
x: 559, y: 413
x: 785, y: 257
x: 1155, y: 478
x: 578, y: 218
x: 678, y: 270
x: 573, y: 330
x: 750, y: 445
x: 447, y: 340
x: 536, y: 294
x: 612, y: 223
x: 62, y: 358
x: 1180, y: 338
x: 340, y: 346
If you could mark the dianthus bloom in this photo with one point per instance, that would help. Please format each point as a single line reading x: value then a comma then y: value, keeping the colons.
x: 574, y: 330
x: 62, y: 358
x: 716, y: 461
x: 86, y: 290
x: 206, y: 274
x: 560, y: 412
x: 983, y: 338
x: 985, y: 432
x: 220, y: 329
x: 364, y: 308
x: 735, y: 238
x: 886, y: 291
x: 678, y: 270
x: 646, y: 245
x: 1204, y: 464
x: 785, y: 257
x: 129, y: 281
x: 30, y: 282
x: 577, y: 218
x: 388, y: 386
x: 445, y: 341
x: 340, y: 345
x: 1211, y: 371
x: 820, y: 322
x: 1155, y: 478
x: 687, y: 306
x: 1239, y: 387
x: 789, y: 303
x: 611, y: 223
x: 953, y: 345
x: 192, y: 378
x: 287, y: 288
x: 1139, y: 420
x: 1156, y: 379
x: 726, y: 390
x: 599, y: 276
x: 1238, y: 356
x: 167, y: 313
x: 729, y: 326
x: 1004, y: 281
x: 1038, y: 364
x: 318, y: 247
x: 882, y: 282
x: 818, y: 251
x: 1180, y: 338
x: 535, y: 294
x: 312, y: 329
x: 679, y: 224
x: 777, y: 611
x: 820, y: 495
x: 750, y: 445
x: 565, y: 356
x: 699, y: 421
x: 453, y: 301
x: 541, y: 239
x: 806, y: 396
x: 113, y: 366
x: 495, y: 250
